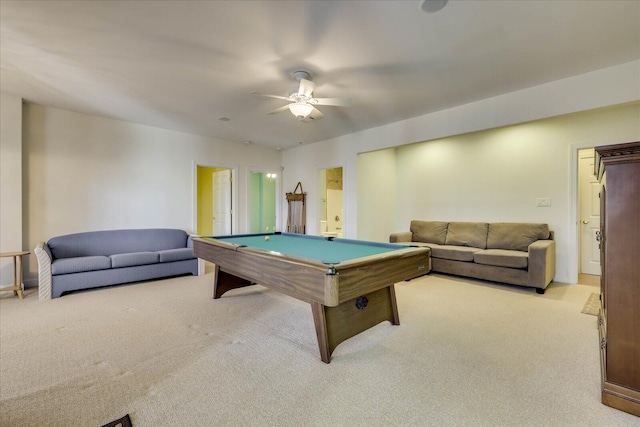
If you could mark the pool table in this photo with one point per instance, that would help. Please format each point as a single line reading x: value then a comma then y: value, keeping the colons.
x: 349, y: 283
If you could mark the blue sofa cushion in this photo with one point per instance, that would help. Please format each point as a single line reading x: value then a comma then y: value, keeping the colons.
x: 170, y: 255
x: 80, y: 264
x: 133, y: 259
x: 116, y: 242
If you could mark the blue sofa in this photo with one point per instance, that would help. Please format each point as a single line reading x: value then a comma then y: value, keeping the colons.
x: 102, y: 258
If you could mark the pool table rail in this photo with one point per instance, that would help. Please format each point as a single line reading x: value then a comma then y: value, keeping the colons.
x: 368, y: 274
x: 310, y: 280
x: 300, y: 278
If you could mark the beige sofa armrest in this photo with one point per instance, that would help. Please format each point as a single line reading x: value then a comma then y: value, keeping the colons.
x: 542, y: 263
x: 403, y: 236
x: 44, y: 272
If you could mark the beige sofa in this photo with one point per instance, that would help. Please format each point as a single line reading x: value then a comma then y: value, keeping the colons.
x: 516, y: 253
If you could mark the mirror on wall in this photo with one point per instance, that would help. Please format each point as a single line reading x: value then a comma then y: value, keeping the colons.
x: 331, y: 203
x: 262, y: 202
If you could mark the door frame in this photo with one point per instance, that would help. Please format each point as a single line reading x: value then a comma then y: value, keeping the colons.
x: 573, y: 224
x: 583, y: 240
x: 234, y: 193
x: 278, y: 195
x: 322, y: 192
x: 574, y: 210
x: 222, y: 177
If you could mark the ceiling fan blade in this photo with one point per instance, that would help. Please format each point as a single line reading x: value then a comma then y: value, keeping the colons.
x: 316, y: 114
x: 306, y: 87
x: 279, y: 110
x: 270, y: 96
x: 338, y: 102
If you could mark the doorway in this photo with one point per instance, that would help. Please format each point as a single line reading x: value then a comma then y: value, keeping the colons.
x: 588, y: 216
x: 221, y: 202
x: 262, y: 202
x: 331, y: 202
x: 214, y: 201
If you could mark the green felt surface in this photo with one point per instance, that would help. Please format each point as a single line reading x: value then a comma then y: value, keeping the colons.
x: 312, y: 247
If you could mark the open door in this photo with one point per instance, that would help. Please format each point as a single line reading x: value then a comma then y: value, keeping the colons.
x: 222, y: 212
x: 589, y: 214
x: 331, y: 202
x: 263, y: 202
x: 214, y: 200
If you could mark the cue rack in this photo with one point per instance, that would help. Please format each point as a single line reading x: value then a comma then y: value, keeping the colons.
x: 297, y: 218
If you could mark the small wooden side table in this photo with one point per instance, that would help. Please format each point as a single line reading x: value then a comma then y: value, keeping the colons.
x: 17, y: 271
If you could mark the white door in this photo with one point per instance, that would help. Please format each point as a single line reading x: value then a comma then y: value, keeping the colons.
x: 589, y: 190
x: 222, y: 203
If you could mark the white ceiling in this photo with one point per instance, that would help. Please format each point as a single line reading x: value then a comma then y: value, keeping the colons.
x: 183, y: 65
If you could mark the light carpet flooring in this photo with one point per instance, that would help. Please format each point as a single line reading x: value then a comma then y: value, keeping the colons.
x: 467, y: 353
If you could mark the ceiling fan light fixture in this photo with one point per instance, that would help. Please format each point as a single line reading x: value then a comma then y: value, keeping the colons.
x: 300, y: 109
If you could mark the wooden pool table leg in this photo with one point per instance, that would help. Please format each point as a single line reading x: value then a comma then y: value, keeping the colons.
x: 337, y: 324
x: 223, y: 282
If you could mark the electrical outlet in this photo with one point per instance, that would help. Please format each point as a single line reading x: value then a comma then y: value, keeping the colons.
x: 543, y: 202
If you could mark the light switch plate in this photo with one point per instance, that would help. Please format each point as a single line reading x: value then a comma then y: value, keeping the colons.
x: 543, y: 202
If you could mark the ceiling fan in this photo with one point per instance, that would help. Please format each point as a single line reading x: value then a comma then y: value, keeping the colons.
x: 301, y: 101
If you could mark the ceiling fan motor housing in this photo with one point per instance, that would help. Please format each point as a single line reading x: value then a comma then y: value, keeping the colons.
x: 299, y: 75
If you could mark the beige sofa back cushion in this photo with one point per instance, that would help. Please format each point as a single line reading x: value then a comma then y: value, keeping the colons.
x: 473, y: 234
x: 429, y: 231
x: 515, y: 236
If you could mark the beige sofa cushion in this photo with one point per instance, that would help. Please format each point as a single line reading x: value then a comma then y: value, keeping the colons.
x: 472, y: 234
x: 429, y: 231
x: 515, y: 236
x: 502, y: 258
x: 422, y: 245
x: 455, y: 253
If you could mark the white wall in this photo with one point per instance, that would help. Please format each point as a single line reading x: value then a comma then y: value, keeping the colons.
x: 306, y: 170
x: 10, y: 183
x: 602, y: 88
x: 86, y: 173
x: 377, y: 194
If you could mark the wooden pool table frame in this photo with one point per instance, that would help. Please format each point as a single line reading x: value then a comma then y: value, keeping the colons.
x: 346, y: 298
